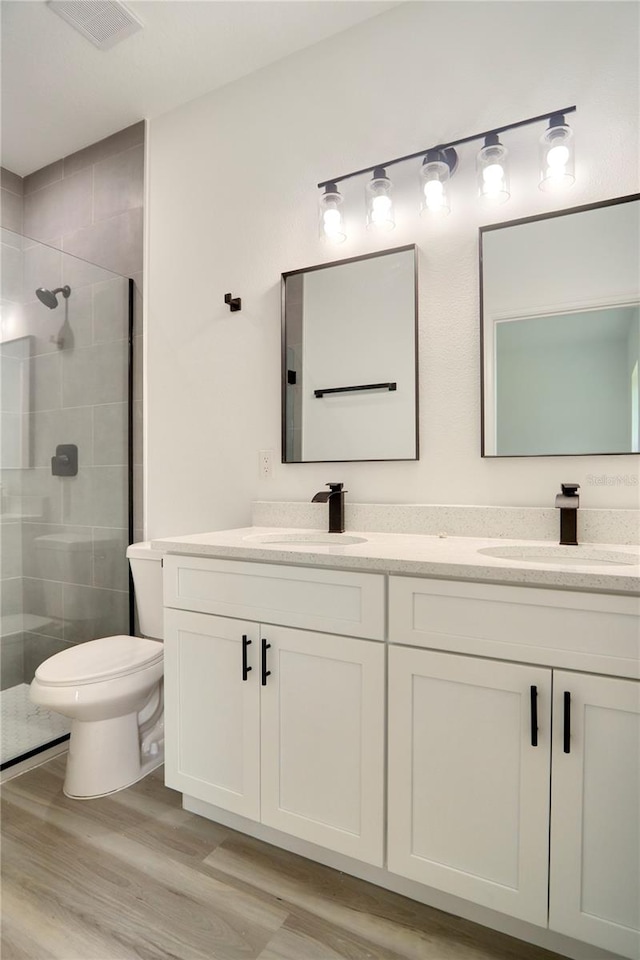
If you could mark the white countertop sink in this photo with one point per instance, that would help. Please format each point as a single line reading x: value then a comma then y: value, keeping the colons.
x: 579, y: 555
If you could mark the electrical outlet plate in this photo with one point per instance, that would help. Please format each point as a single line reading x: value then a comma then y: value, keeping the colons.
x: 265, y: 464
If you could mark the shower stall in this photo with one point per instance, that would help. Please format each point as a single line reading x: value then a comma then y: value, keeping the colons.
x: 66, y: 471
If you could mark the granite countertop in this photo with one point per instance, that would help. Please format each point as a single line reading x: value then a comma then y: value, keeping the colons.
x: 606, y: 568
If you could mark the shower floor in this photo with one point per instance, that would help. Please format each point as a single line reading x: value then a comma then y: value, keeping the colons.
x: 25, y: 725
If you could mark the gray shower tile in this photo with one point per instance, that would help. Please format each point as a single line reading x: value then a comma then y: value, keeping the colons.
x: 11, y: 265
x: 11, y: 210
x: 81, y: 273
x: 38, y: 322
x: 75, y: 320
x: 116, y: 143
x: 97, y: 374
x: 43, y: 607
x: 46, y: 382
x: 52, y: 427
x: 10, y: 596
x: 40, y: 495
x: 115, y: 244
x: 91, y: 612
x: 43, y: 177
x: 11, y: 182
x: 110, y: 310
x: 96, y: 496
x: 110, y: 433
x: 118, y: 183
x: 11, y: 238
x: 37, y: 649
x: 77, y: 497
x: 110, y: 564
x: 11, y: 661
x: 10, y: 555
x: 110, y: 496
x: 42, y: 268
x: 46, y: 551
x: 60, y: 208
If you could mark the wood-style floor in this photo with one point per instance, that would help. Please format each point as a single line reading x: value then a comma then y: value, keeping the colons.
x: 135, y: 876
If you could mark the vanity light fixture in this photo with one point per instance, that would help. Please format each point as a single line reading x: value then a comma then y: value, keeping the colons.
x: 331, y: 224
x: 556, y: 155
x: 377, y: 192
x: 439, y: 163
x: 493, y: 174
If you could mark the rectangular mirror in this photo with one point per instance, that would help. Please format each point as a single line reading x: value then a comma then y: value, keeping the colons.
x: 349, y: 359
x: 560, y: 332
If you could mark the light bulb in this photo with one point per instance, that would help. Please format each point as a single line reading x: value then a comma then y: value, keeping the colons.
x: 331, y: 226
x: 493, y: 175
x: 437, y: 167
x: 556, y: 155
x: 379, y: 205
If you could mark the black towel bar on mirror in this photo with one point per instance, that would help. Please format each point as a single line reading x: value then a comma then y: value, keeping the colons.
x: 361, y: 386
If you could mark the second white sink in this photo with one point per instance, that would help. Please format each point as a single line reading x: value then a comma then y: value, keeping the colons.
x: 318, y: 539
x: 586, y: 556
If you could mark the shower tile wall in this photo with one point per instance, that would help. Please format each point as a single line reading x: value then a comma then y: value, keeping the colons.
x: 88, y: 205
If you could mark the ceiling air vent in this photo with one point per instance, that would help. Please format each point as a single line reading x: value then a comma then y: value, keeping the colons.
x: 103, y: 22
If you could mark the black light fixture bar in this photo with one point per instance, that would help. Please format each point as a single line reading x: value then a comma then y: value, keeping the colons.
x: 453, y: 143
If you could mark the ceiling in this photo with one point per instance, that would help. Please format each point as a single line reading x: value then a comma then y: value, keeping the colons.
x: 60, y: 93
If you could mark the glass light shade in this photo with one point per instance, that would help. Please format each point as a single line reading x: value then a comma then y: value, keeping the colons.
x: 434, y: 176
x: 377, y: 192
x: 331, y: 225
x: 493, y: 173
x: 556, y: 157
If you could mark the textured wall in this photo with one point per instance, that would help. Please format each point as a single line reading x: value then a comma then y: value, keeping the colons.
x: 232, y: 204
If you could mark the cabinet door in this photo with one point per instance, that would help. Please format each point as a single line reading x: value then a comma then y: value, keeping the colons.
x: 212, y: 748
x: 323, y: 740
x: 468, y: 792
x: 595, y: 812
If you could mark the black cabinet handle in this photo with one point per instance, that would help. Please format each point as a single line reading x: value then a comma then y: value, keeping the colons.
x: 534, y: 716
x: 245, y: 666
x: 567, y: 722
x: 265, y: 673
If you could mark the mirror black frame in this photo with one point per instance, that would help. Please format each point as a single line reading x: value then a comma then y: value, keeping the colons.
x: 514, y: 223
x: 283, y: 408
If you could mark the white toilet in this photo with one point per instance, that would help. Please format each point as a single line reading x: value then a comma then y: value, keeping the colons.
x: 111, y: 689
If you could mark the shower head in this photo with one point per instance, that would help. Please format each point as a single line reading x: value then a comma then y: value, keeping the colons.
x: 48, y: 297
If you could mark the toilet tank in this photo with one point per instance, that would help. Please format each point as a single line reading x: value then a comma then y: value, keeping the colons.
x: 146, y: 569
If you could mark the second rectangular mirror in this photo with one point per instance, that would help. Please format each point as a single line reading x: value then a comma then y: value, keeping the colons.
x: 349, y: 360
x: 560, y: 314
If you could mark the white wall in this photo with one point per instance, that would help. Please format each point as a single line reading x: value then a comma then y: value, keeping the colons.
x: 232, y: 203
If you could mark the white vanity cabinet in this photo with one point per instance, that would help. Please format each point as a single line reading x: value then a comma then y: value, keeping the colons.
x: 473, y: 741
x: 280, y: 724
x: 469, y: 763
x: 595, y: 811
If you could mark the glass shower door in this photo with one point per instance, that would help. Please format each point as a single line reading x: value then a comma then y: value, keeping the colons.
x: 65, y: 470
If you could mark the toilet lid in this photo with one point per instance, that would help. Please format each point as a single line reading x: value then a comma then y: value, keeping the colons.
x: 103, y: 659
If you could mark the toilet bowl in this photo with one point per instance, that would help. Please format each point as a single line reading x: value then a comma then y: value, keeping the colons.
x: 111, y: 689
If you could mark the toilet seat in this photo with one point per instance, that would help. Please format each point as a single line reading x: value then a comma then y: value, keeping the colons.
x: 104, y: 659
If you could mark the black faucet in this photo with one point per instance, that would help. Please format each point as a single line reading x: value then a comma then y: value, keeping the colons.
x: 335, y: 496
x: 568, y: 502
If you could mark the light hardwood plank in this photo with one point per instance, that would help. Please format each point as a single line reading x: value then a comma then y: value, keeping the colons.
x: 134, y: 877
